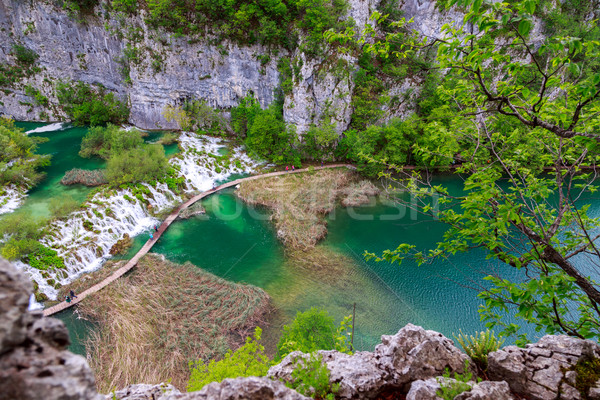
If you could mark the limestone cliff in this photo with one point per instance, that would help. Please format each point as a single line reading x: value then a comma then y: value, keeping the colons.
x: 169, y: 70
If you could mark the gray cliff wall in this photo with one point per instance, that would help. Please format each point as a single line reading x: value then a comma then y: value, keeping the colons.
x: 220, y: 74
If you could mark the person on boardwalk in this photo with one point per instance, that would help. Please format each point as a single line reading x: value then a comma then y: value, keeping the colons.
x: 155, y: 228
x: 72, y: 294
x: 293, y: 168
x: 321, y: 163
x: 151, y: 236
x: 287, y: 168
x: 68, y: 299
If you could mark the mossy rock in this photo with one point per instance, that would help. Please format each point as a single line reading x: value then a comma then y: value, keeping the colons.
x: 51, y: 282
x: 40, y: 297
x: 588, y: 374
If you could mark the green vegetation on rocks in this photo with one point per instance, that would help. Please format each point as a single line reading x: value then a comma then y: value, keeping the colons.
x: 85, y: 105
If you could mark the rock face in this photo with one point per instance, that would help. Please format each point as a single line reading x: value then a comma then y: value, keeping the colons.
x: 33, y: 361
x: 169, y: 70
x: 543, y: 370
x: 411, y: 354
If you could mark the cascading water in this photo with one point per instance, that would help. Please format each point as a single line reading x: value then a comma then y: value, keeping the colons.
x: 11, y: 198
x: 85, y: 239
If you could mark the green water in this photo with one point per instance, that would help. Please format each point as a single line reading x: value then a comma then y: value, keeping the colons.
x: 238, y: 242
x: 64, y: 147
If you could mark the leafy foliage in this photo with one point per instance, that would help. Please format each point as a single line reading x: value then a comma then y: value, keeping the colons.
x: 23, y: 54
x: 313, y: 330
x: 497, y: 101
x: 249, y: 360
x: 479, y: 346
x: 449, y: 389
x: 18, y: 162
x: 310, y: 377
x: 86, y: 106
x: 273, y: 22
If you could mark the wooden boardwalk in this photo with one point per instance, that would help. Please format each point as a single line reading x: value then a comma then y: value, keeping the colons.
x: 163, y: 227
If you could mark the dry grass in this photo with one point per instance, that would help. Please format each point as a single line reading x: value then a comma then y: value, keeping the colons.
x: 300, y: 201
x: 163, y: 316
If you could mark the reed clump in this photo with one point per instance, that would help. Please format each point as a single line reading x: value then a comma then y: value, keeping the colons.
x: 157, y: 320
x: 94, y: 177
x: 300, y: 201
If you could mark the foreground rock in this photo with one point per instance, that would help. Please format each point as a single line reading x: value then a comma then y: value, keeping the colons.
x: 251, y: 388
x: 430, y: 389
x: 544, y: 370
x: 411, y: 354
x: 34, y: 362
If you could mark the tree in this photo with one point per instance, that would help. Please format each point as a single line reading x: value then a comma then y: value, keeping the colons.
x: 527, y: 118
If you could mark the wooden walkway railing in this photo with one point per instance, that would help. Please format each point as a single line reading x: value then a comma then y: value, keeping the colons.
x: 163, y: 227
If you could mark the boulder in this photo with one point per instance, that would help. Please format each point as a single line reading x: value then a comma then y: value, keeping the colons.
x: 251, y: 388
x: 428, y: 390
x: 15, y: 289
x: 33, y: 361
x: 411, y: 354
x: 414, y: 353
x: 543, y: 370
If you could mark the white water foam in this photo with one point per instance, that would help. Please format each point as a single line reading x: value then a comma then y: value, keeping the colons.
x: 85, y: 239
x: 11, y: 199
x: 57, y: 126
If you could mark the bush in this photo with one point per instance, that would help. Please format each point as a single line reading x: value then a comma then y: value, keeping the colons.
x: 310, y: 378
x: 86, y: 106
x: 479, y: 346
x: 248, y: 360
x: 313, y: 330
x: 137, y: 165
x: 23, y: 54
x: 269, y: 137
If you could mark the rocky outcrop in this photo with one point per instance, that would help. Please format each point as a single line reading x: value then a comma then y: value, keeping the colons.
x: 251, y: 388
x: 429, y: 390
x: 34, y: 362
x: 544, y: 370
x: 411, y: 354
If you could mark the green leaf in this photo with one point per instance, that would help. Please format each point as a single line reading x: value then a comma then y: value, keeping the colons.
x: 524, y: 27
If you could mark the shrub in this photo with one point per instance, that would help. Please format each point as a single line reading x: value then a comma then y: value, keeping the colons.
x: 248, y: 360
x: 479, y: 346
x: 86, y: 106
x: 449, y: 389
x: 20, y: 164
x: 23, y: 54
x: 313, y: 330
x: 310, y: 377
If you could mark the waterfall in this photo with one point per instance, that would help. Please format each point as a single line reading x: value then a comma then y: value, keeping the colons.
x: 11, y: 198
x: 85, y: 239
x: 57, y: 126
